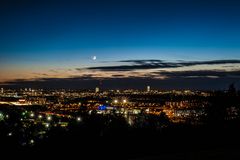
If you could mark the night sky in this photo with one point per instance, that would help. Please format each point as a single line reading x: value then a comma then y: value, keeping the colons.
x: 173, y: 44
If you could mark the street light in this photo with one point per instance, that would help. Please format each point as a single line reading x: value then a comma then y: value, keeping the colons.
x: 31, y: 141
x: 32, y: 115
x: 49, y: 118
x: 79, y: 119
x: 47, y: 125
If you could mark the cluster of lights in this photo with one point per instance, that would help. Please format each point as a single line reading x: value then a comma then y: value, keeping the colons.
x: 32, y: 115
x: 1, y: 116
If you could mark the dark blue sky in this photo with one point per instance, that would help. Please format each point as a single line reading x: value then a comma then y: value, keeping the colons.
x: 30, y: 26
x: 66, y: 34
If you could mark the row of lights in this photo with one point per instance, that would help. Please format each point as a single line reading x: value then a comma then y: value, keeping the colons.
x: 49, y: 118
x: 123, y: 101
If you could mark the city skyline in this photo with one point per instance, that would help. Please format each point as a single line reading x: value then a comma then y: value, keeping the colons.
x: 123, y: 44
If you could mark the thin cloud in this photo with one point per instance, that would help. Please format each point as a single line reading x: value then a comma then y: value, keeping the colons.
x: 200, y: 73
x: 158, y: 64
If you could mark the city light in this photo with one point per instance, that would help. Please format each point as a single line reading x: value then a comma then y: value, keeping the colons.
x: 31, y: 141
x: 102, y: 107
x: 32, y: 115
x: 64, y: 113
x: 79, y: 119
x: 1, y: 116
x: 49, y: 118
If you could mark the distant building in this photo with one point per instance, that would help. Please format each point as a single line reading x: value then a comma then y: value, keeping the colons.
x: 97, y: 89
x: 148, y: 89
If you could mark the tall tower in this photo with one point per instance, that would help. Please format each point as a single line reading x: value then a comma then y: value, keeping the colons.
x: 97, y: 89
x: 148, y: 89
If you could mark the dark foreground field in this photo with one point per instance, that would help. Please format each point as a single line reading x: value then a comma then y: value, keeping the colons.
x: 174, y: 142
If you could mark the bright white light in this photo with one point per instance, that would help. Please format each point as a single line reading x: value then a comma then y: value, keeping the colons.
x: 10, y: 134
x: 79, y: 119
x: 115, y: 101
x: 31, y: 141
x: 49, y: 118
x: 124, y: 101
x: 47, y: 125
x: 40, y: 116
x: 32, y: 115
